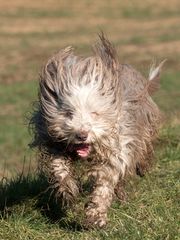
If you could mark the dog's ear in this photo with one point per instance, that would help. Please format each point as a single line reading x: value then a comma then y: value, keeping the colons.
x: 154, y: 77
x: 51, y: 68
x: 48, y: 79
x: 52, y: 77
x: 56, y: 63
x: 107, y: 53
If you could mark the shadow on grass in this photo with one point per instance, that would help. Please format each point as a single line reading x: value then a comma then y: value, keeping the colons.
x: 21, y: 189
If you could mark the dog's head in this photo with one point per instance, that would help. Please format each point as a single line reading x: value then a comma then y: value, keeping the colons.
x: 77, y: 97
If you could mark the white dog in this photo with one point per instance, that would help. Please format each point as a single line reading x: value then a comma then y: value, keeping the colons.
x: 98, y: 111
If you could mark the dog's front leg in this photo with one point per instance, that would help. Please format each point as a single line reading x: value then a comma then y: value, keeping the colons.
x: 106, y: 176
x: 63, y: 180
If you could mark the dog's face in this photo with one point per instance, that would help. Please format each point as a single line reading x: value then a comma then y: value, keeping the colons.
x: 77, y: 112
x: 83, y: 118
x: 86, y: 117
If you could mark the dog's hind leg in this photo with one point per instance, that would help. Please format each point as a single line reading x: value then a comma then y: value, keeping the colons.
x: 119, y: 191
x: 62, y: 179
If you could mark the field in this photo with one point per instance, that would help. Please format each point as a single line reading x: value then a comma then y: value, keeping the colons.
x: 31, y: 32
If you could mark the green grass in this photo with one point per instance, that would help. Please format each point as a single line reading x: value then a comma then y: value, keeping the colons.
x: 15, y: 104
x: 28, y: 211
x: 28, y: 36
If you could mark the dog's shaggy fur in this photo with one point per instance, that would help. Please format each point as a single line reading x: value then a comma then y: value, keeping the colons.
x: 98, y: 111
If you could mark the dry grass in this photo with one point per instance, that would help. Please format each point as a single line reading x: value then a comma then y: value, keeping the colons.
x: 30, y: 31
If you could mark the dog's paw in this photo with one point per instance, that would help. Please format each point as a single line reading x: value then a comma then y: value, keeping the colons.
x: 67, y: 190
x: 120, y: 194
x: 95, y: 218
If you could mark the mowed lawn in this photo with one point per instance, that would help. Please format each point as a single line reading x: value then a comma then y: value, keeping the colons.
x: 32, y: 31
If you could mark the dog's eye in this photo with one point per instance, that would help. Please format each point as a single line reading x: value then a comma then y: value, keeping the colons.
x: 69, y: 114
x: 94, y: 114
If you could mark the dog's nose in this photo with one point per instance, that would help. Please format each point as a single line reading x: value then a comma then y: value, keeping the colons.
x: 82, y: 135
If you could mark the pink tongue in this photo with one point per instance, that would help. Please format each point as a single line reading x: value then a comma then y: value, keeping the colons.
x: 83, y: 151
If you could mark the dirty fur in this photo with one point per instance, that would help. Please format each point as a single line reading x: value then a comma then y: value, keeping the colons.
x: 99, y: 111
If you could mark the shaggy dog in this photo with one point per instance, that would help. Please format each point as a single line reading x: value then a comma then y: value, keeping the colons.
x: 99, y: 112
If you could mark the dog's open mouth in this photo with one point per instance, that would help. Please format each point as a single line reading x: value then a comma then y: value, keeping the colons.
x: 82, y: 149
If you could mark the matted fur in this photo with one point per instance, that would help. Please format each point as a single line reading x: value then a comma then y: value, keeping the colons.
x: 98, y: 111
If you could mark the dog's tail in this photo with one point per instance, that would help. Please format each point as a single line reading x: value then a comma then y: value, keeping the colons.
x: 154, y: 77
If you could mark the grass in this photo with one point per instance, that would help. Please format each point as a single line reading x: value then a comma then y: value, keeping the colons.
x: 29, y: 34
x: 150, y: 213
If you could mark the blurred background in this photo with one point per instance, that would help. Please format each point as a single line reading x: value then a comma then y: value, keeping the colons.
x: 31, y: 31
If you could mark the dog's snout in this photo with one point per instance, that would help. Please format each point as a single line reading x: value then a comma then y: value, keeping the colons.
x: 82, y: 135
